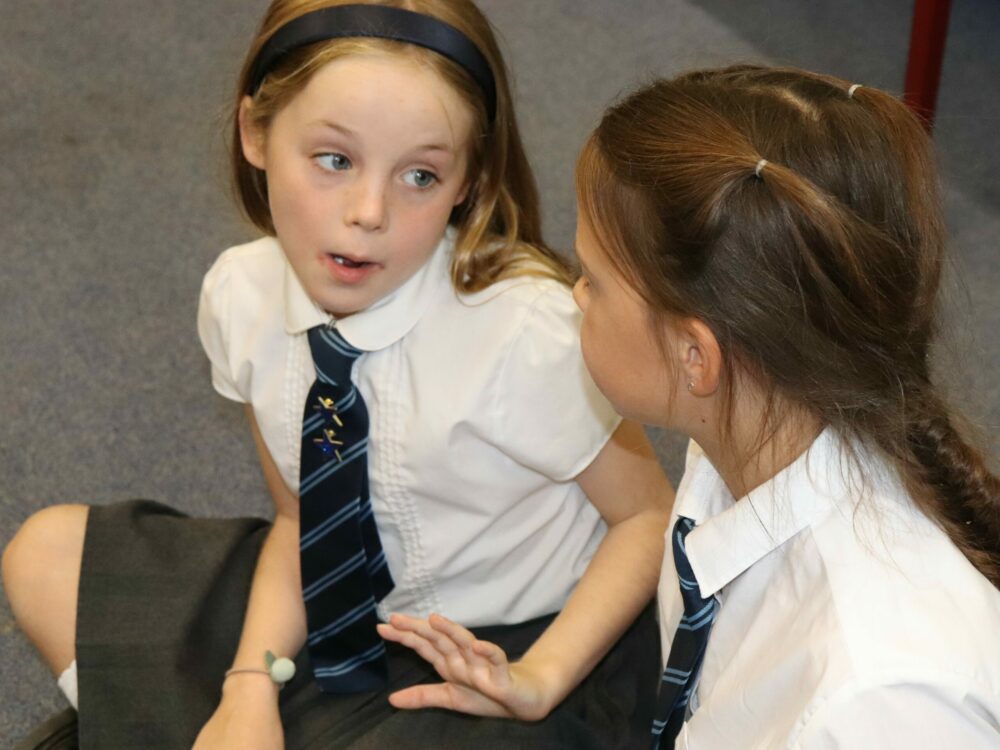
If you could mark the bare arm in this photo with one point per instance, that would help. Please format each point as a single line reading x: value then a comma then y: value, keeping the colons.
x: 275, y: 621
x: 626, y: 484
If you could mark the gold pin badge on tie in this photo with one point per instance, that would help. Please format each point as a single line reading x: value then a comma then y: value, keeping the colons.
x: 329, y: 405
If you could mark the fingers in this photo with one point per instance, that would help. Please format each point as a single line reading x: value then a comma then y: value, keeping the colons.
x: 456, y: 654
x: 411, y: 640
x: 466, y: 641
x: 491, y: 652
x: 451, y: 697
x: 444, y: 628
x: 423, y: 696
x: 449, y: 638
x: 478, y: 677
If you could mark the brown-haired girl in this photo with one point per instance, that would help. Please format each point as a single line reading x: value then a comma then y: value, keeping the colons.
x: 407, y: 348
x: 761, y: 253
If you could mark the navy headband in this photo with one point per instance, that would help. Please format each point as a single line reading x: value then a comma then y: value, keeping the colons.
x: 376, y: 21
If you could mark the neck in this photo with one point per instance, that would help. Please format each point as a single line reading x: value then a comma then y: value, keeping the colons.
x: 760, y: 443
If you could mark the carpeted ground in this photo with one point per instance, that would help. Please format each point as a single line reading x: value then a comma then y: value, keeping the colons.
x: 114, y: 202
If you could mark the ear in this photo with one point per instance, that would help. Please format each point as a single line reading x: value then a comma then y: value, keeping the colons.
x: 463, y: 193
x: 252, y: 137
x: 700, y: 357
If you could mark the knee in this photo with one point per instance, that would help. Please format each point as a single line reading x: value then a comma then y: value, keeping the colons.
x: 48, y: 546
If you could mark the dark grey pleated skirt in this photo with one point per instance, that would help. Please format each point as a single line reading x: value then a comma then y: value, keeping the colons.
x: 162, y: 598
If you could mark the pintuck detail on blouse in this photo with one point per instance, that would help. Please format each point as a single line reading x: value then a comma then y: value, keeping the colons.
x: 482, y: 413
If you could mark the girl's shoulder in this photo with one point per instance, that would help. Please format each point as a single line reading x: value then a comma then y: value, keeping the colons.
x: 245, y: 279
x: 527, y: 310
x: 896, y: 580
x: 520, y: 367
x: 527, y: 285
x: 257, y: 262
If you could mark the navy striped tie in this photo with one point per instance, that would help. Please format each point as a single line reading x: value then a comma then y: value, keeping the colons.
x: 688, y: 648
x: 344, y: 571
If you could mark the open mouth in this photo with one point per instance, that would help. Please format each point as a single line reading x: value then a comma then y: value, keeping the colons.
x: 340, y: 260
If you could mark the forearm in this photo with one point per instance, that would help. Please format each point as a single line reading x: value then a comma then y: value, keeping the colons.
x: 627, y: 486
x: 275, y: 615
x: 275, y: 621
x: 275, y: 618
x: 618, y: 583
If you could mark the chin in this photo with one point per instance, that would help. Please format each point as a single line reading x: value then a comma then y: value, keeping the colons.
x: 343, y: 302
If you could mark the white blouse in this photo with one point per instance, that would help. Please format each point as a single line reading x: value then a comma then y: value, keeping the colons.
x: 844, y: 623
x: 481, y: 413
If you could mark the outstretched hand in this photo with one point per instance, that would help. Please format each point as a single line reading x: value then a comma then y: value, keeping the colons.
x: 478, y: 678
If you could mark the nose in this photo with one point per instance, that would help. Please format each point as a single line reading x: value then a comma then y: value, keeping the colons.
x: 366, y: 205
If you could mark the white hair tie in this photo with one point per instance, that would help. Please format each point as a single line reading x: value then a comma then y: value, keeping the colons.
x: 850, y: 91
x: 760, y: 167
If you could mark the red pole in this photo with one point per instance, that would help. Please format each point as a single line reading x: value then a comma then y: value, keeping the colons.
x: 923, y: 68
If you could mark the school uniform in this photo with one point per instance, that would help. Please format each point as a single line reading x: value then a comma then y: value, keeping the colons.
x: 481, y: 414
x: 847, y: 619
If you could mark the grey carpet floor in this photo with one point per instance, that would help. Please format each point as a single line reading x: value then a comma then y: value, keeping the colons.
x: 114, y: 202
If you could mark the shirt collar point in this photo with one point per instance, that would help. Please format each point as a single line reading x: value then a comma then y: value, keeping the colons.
x: 727, y: 541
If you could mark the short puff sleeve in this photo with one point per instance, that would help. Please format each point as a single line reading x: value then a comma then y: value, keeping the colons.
x: 550, y: 416
x: 214, y: 329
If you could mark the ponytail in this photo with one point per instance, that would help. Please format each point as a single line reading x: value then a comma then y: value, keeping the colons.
x: 798, y: 217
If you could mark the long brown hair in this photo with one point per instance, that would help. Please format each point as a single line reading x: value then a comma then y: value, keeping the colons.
x: 499, y: 223
x: 817, y: 271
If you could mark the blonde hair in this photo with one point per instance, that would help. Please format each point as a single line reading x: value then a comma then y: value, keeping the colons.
x: 499, y: 223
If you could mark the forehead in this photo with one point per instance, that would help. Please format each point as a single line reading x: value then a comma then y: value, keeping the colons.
x: 588, y: 242
x: 384, y: 94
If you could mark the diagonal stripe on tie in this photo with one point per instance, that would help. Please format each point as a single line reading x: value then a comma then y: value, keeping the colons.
x: 335, y: 670
x: 329, y: 525
x: 688, y: 648
x: 347, y: 619
x: 337, y: 574
x: 328, y: 470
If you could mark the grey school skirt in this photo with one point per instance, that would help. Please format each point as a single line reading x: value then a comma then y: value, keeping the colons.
x: 161, y: 607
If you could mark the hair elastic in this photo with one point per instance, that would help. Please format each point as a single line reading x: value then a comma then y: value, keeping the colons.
x: 760, y: 167
x: 279, y: 668
x: 854, y: 87
x: 382, y: 22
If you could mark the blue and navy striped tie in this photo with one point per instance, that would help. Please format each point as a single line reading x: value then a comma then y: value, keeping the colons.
x: 344, y: 571
x: 688, y: 648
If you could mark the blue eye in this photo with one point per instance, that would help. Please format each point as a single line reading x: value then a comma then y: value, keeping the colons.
x: 333, y: 162
x: 420, y: 178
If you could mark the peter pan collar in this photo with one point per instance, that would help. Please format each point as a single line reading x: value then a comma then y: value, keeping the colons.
x: 730, y: 536
x: 388, y: 319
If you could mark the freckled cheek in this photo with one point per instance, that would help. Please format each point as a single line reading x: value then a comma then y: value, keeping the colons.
x: 299, y: 207
x: 596, y: 356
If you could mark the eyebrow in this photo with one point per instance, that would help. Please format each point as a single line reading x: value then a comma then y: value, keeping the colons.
x: 330, y: 125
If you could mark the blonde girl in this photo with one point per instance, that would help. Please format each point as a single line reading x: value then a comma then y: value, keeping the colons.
x: 406, y: 347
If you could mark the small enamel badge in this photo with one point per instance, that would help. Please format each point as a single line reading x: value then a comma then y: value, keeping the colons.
x: 329, y: 408
x: 328, y: 444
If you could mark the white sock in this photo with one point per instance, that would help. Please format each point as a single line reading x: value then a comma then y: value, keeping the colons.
x: 67, y: 683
